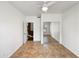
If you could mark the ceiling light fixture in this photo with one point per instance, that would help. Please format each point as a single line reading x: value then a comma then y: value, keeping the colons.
x: 44, y: 9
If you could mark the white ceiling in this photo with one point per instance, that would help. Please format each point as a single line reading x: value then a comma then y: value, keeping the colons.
x: 33, y: 8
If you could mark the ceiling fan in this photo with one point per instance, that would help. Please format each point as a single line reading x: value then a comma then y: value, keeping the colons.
x: 46, y: 5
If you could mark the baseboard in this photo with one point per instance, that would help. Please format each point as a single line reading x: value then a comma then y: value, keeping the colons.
x: 15, y: 50
x: 71, y: 50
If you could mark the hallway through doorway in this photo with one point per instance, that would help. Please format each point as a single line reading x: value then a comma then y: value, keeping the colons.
x: 30, y: 32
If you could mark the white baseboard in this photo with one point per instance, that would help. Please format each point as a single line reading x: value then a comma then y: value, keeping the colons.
x: 71, y: 50
x: 14, y: 51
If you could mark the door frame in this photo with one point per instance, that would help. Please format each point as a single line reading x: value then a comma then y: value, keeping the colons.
x: 60, y: 25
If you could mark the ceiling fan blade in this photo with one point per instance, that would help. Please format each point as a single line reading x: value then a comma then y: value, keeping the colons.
x: 36, y: 5
x: 50, y: 3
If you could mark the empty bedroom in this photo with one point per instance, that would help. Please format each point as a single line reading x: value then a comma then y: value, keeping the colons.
x: 39, y: 29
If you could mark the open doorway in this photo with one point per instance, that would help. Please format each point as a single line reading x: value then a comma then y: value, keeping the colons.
x: 51, y: 30
x: 30, y: 31
x: 46, y: 31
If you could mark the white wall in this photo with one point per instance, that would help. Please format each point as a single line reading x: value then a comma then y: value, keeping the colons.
x: 55, y: 30
x: 36, y: 22
x: 71, y: 29
x: 25, y: 31
x: 11, y: 29
x: 45, y: 17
